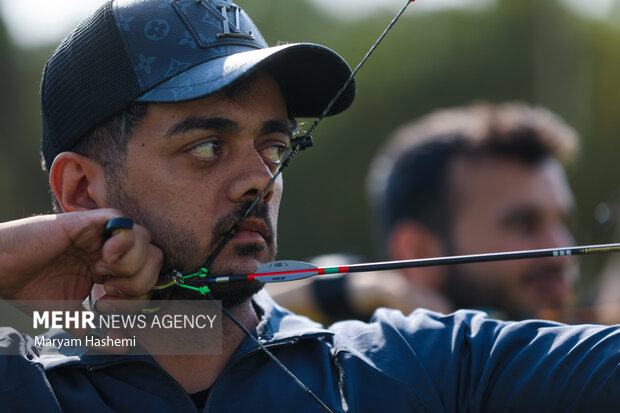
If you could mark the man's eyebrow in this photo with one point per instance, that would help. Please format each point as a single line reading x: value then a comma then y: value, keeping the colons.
x: 286, y: 127
x: 196, y: 122
x: 520, y: 212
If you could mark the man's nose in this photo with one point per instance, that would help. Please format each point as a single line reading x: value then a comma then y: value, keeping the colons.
x: 559, y: 236
x: 251, y: 175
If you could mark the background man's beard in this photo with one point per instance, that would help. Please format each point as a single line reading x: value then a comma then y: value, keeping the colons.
x: 465, y: 291
x: 181, y: 247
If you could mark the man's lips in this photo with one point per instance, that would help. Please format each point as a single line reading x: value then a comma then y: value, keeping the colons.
x: 252, y: 230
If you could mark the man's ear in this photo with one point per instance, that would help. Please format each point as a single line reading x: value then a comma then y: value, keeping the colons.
x: 410, y: 240
x: 78, y: 182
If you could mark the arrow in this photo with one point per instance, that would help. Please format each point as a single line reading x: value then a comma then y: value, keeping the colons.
x: 279, y: 271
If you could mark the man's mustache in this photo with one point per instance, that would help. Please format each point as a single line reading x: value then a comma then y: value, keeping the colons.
x: 227, y: 222
x: 557, y: 272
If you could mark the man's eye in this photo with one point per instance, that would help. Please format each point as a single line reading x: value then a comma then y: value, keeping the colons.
x: 205, y: 150
x: 274, y: 154
x: 525, y: 225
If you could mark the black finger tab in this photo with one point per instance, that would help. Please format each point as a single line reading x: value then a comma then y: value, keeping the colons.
x: 116, y: 223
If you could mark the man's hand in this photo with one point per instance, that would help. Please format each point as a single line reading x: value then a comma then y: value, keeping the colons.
x: 60, y: 257
x: 369, y: 291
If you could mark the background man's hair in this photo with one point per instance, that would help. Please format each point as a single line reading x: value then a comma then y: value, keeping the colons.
x: 409, y: 177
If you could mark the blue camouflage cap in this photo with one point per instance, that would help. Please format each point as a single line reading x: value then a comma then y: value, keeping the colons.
x: 170, y: 51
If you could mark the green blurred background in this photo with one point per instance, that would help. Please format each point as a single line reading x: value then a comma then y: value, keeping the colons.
x: 538, y: 51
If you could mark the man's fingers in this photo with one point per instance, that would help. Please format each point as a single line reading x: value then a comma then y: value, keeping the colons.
x: 139, y: 284
x: 126, y: 251
x: 119, y: 243
x: 115, y: 224
x: 130, y: 264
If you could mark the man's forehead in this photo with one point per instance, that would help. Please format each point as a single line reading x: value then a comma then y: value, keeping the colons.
x: 487, y: 174
x: 504, y: 184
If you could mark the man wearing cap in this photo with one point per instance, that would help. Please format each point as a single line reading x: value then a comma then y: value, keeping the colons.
x: 176, y: 115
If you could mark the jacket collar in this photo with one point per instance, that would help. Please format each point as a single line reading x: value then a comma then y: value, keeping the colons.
x: 278, y: 326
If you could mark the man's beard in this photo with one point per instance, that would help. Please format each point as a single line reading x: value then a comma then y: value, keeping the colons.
x: 467, y: 291
x: 182, y: 251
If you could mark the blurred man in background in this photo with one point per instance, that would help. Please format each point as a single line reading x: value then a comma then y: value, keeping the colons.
x: 477, y: 179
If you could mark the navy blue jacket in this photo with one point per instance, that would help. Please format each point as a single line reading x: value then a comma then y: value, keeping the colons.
x: 426, y: 362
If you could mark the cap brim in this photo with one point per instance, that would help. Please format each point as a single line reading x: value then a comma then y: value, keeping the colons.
x: 309, y: 74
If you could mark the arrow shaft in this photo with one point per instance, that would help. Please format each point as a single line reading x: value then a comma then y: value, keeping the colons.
x: 289, y: 275
x: 468, y: 259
